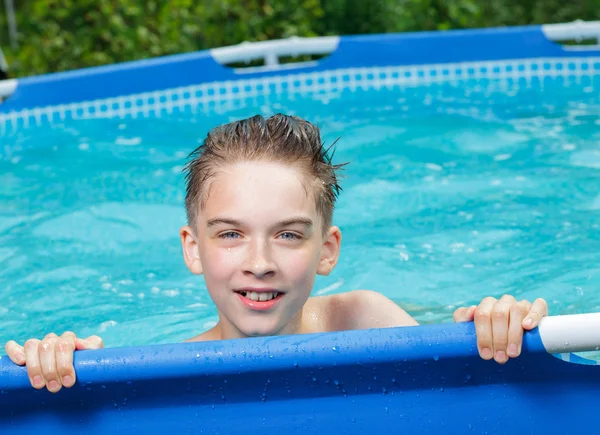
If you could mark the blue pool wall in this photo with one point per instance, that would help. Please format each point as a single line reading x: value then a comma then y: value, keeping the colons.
x: 422, y: 379
x: 369, y: 51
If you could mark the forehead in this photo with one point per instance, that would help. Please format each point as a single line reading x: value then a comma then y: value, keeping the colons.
x: 264, y: 191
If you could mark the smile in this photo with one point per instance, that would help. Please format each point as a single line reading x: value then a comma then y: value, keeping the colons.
x: 256, y: 296
x: 259, y: 300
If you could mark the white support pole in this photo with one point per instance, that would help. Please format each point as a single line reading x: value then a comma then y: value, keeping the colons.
x: 3, y: 62
x: 12, y: 23
x: 271, y: 59
x: 571, y: 333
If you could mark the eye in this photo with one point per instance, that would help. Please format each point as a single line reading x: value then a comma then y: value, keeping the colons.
x: 229, y: 235
x: 289, y: 236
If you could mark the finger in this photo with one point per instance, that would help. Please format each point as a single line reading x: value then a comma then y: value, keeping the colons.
x: 538, y: 310
x: 483, y: 327
x: 500, y: 322
x: 63, y: 350
x: 48, y: 363
x: 464, y: 314
x: 32, y: 361
x: 96, y: 342
x: 92, y: 342
x: 518, y: 312
x: 15, y: 352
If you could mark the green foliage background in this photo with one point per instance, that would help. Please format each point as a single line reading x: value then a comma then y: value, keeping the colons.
x: 57, y: 35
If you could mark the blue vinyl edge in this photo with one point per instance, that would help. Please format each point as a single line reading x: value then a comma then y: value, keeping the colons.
x: 424, y: 379
x: 279, y: 353
x: 168, y: 72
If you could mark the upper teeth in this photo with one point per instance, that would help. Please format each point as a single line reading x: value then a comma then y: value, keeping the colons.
x: 263, y: 296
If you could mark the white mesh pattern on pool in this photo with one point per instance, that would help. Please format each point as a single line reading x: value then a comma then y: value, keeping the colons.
x: 321, y: 85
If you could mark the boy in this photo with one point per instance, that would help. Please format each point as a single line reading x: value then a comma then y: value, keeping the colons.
x: 259, y: 202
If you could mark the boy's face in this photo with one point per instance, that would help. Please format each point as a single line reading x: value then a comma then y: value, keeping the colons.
x: 259, y: 236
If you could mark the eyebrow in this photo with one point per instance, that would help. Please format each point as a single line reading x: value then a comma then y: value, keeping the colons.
x: 296, y: 221
x: 285, y: 223
x: 223, y: 221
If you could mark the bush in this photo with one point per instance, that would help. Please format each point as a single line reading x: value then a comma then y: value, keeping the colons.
x: 61, y: 35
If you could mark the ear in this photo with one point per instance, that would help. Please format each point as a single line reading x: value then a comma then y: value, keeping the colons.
x: 330, y: 252
x: 191, y: 255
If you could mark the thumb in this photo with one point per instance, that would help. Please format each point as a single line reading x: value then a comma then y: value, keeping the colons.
x: 92, y: 342
x: 464, y: 314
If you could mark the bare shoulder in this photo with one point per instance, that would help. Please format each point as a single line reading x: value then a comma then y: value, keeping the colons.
x: 210, y: 335
x: 359, y: 309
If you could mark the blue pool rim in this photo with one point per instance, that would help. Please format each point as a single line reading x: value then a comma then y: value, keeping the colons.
x: 419, y: 379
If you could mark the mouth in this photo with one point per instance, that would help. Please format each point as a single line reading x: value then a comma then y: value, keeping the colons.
x: 259, y: 300
x: 262, y: 296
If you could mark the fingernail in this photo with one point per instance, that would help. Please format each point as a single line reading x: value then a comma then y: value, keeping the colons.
x: 500, y: 355
x: 67, y: 381
x: 486, y: 353
x: 20, y: 358
x: 512, y: 349
x: 38, y: 381
x: 53, y: 385
x: 528, y: 321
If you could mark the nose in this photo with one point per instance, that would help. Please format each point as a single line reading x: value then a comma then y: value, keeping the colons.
x: 259, y: 261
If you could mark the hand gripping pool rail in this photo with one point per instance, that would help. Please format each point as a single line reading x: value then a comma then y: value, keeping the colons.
x: 423, y: 379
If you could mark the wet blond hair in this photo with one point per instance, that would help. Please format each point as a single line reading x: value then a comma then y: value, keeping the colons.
x: 282, y: 139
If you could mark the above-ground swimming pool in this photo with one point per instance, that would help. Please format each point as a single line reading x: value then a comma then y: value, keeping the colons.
x: 473, y: 172
x: 456, y: 189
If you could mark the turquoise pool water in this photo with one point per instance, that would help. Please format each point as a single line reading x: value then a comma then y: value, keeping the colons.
x: 454, y: 192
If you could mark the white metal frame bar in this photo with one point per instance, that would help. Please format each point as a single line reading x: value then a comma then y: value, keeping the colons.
x: 271, y: 51
x: 571, y: 333
x: 7, y: 87
x: 577, y: 30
